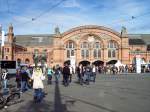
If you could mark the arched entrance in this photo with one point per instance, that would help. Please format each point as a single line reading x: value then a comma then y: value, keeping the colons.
x: 111, y: 62
x: 67, y: 62
x: 84, y: 63
x: 98, y: 63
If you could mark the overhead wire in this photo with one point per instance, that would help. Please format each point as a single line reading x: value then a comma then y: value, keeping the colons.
x: 33, y: 18
x: 131, y: 18
x: 43, y: 13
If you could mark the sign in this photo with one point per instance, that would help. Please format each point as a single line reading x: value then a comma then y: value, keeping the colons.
x: 138, y: 64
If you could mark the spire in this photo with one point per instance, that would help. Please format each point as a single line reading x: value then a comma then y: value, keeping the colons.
x: 10, y: 33
x: 10, y: 30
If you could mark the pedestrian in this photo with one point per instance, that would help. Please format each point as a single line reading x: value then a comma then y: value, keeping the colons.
x: 71, y: 73
x: 5, y: 78
x: 18, y: 78
x: 66, y: 73
x: 29, y: 81
x: 38, y: 85
x: 94, y: 73
x: 49, y: 75
x: 57, y: 73
x: 24, y: 79
x: 88, y: 72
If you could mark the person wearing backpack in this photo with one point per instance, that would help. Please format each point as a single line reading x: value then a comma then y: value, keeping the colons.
x: 5, y: 78
x: 57, y: 73
x: 49, y: 75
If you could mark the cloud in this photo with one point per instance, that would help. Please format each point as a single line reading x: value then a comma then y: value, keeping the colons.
x: 71, y: 4
x: 72, y: 13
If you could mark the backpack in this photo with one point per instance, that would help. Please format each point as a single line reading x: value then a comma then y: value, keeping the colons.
x: 4, y: 75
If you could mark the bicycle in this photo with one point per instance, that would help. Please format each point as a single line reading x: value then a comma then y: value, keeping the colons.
x: 13, y: 98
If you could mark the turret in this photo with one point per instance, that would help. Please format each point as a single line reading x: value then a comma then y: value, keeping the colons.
x: 124, y: 32
x: 57, y: 32
x: 10, y: 33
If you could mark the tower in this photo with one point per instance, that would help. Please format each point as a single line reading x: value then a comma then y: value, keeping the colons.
x: 10, y: 34
x: 9, y: 46
x: 124, y: 46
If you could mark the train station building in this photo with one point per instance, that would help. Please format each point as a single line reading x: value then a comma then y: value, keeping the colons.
x: 84, y: 44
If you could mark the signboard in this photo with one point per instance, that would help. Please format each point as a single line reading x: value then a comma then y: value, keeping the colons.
x: 138, y: 64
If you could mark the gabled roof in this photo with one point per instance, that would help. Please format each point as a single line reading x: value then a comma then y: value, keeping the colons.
x: 136, y: 42
x: 34, y: 40
x: 139, y: 39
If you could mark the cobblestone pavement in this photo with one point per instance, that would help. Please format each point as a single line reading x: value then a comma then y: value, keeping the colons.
x: 110, y: 93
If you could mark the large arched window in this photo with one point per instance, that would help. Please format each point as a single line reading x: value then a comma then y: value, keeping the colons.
x: 85, y: 50
x: 112, y: 49
x: 97, y: 50
x: 70, y: 49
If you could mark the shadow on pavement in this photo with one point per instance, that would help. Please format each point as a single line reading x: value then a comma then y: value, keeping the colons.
x: 59, y: 107
x: 92, y: 104
x: 36, y: 107
x: 45, y: 106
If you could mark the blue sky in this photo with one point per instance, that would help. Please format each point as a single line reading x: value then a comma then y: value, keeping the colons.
x: 133, y: 14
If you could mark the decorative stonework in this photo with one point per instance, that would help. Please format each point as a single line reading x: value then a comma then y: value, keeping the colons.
x: 105, y: 36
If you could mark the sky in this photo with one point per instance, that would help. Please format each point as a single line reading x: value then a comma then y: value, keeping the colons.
x: 42, y: 16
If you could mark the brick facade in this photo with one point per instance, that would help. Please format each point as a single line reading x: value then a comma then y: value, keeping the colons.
x: 57, y: 52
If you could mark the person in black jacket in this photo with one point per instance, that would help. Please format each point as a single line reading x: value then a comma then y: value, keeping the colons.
x: 66, y: 73
x: 24, y: 79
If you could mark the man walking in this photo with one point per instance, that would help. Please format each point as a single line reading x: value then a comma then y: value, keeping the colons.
x: 66, y: 73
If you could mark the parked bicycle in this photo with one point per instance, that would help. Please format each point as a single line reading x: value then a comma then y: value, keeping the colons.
x: 13, y: 98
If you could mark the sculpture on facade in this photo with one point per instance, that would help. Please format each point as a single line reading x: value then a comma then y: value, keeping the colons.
x: 43, y: 57
x: 123, y: 31
x: 57, y: 32
x: 36, y: 57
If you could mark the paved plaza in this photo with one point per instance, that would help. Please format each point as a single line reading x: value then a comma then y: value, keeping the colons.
x: 110, y: 93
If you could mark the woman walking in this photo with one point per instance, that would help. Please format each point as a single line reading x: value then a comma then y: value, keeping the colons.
x: 38, y: 86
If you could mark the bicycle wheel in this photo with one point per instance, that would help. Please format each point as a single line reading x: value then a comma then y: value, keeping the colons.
x: 13, y: 98
x: 2, y: 102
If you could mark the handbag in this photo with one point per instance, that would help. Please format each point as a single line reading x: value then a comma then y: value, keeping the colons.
x: 42, y: 77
